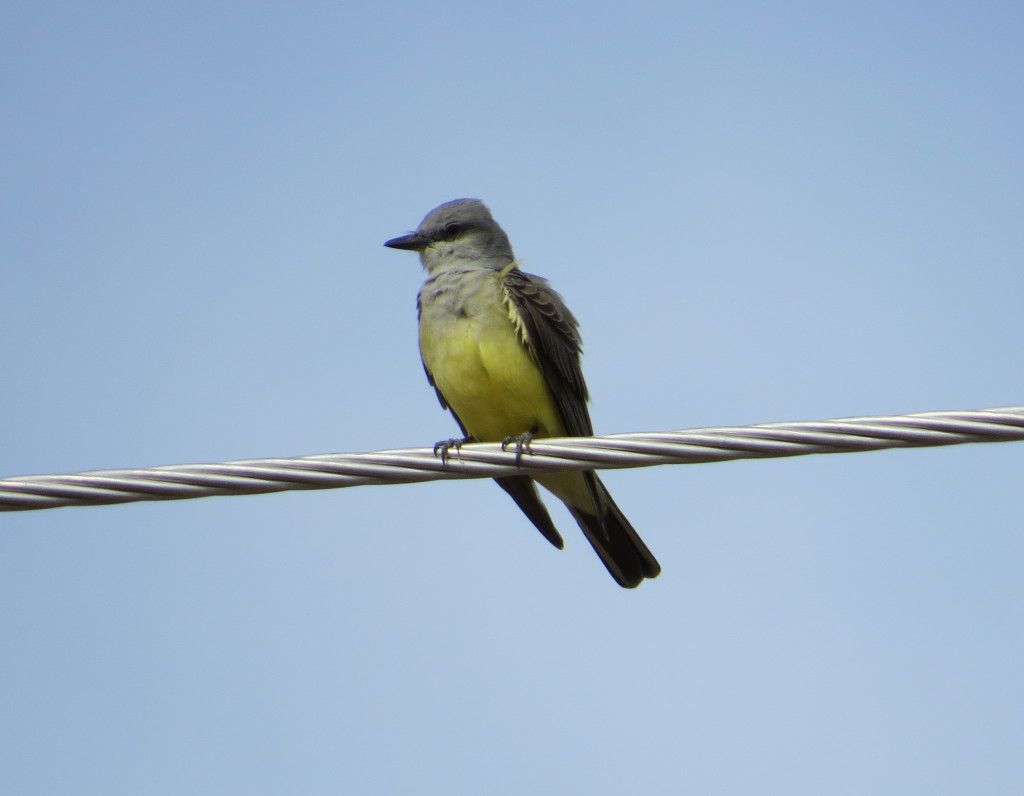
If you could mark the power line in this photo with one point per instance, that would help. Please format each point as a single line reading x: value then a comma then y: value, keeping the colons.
x: 487, y: 460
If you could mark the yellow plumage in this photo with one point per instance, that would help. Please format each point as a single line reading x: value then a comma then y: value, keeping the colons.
x: 486, y: 374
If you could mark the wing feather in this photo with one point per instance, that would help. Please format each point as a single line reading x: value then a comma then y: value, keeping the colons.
x: 551, y: 334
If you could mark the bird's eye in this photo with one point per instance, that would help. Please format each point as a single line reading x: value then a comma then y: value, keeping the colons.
x: 451, y: 230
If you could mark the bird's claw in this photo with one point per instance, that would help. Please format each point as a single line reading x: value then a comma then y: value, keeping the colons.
x: 446, y: 445
x: 522, y: 443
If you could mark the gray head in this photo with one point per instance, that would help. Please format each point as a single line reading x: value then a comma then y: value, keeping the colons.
x: 458, y: 232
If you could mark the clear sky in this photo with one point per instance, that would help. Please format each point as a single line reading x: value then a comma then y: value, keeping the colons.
x: 759, y: 212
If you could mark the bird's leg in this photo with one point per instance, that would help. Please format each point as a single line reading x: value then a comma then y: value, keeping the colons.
x: 446, y: 445
x: 522, y: 443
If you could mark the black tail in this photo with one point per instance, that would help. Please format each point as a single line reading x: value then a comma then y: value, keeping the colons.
x: 619, y: 546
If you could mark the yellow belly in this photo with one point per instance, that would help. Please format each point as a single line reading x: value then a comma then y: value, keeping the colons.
x: 488, y: 378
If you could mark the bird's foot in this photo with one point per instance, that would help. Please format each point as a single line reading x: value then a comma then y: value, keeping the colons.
x: 446, y: 445
x: 522, y: 443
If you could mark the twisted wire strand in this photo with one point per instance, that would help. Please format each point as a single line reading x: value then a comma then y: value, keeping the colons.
x: 486, y: 460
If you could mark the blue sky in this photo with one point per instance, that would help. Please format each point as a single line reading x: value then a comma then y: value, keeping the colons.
x: 793, y: 211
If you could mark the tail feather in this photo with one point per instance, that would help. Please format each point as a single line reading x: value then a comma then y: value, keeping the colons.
x: 614, y: 539
x: 618, y: 545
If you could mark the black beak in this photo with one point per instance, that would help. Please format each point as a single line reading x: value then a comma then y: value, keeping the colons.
x: 413, y: 242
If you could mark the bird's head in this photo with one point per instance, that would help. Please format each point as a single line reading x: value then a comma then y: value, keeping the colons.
x: 457, y: 232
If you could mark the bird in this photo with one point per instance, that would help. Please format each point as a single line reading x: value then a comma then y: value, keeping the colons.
x: 502, y: 351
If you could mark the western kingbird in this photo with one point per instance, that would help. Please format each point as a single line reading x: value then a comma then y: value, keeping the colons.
x: 502, y: 351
